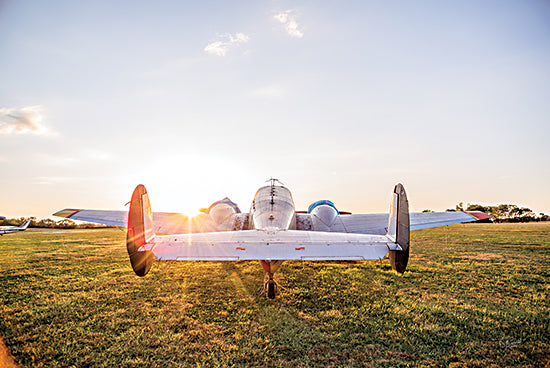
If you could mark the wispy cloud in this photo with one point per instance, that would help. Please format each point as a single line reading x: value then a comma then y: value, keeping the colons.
x: 288, y: 19
x: 225, y: 43
x: 26, y: 120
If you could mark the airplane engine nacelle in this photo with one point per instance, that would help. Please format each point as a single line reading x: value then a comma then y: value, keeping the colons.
x: 222, y: 213
x: 323, y: 214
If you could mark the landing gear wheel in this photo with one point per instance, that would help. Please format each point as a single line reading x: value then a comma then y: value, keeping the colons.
x: 271, y: 289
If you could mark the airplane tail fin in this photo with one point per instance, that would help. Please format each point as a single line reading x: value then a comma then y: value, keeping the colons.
x: 25, y: 225
x: 399, y: 229
x: 140, y: 231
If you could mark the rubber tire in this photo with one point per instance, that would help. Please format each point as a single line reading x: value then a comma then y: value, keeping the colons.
x: 271, y: 290
x: 141, y: 262
x: 399, y: 260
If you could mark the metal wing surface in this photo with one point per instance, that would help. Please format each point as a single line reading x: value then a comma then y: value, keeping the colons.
x: 270, y: 245
x: 105, y: 217
x: 377, y: 223
x: 163, y: 222
x: 425, y: 220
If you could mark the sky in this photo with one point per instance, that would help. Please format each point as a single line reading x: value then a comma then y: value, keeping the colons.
x: 339, y: 100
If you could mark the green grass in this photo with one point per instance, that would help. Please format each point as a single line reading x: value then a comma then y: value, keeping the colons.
x: 474, y: 295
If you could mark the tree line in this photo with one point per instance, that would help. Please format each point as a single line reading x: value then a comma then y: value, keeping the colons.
x: 503, y: 212
x: 51, y: 224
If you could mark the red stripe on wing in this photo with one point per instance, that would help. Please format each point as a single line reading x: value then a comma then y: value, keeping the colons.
x: 479, y: 215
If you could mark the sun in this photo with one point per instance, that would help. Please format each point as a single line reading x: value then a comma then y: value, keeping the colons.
x: 185, y: 183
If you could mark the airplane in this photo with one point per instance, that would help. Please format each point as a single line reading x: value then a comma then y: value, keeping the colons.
x: 271, y: 232
x: 13, y: 229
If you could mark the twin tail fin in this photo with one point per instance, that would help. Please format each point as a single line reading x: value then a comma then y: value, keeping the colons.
x: 140, y: 231
x: 399, y: 229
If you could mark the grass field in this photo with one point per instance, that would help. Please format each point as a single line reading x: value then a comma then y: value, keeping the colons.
x: 474, y: 295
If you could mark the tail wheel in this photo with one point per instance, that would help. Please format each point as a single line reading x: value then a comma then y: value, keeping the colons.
x: 399, y: 260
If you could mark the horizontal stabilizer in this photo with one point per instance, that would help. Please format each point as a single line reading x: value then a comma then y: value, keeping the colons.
x: 270, y: 245
x: 25, y: 225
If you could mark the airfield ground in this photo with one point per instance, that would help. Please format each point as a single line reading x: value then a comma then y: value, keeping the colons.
x: 474, y: 295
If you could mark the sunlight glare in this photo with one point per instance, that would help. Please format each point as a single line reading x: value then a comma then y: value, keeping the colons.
x: 186, y: 183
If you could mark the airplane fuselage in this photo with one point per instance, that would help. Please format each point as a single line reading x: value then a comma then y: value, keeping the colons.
x: 273, y: 209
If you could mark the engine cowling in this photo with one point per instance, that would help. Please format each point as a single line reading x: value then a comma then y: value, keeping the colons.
x: 323, y: 214
x: 222, y: 212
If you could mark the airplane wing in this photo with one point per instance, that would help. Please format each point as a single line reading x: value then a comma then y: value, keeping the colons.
x: 425, y: 220
x: 270, y: 245
x: 163, y: 222
x: 105, y: 217
x: 374, y: 223
x: 377, y: 223
x: 14, y: 229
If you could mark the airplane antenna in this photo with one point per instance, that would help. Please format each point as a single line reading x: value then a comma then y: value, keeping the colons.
x: 273, y: 181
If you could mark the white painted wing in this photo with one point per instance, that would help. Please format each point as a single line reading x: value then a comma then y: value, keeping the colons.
x: 425, y: 220
x: 163, y: 222
x: 105, y: 217
x: 270, y: 245
x: 377, y: 223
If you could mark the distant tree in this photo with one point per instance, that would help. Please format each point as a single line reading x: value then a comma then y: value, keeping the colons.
x: 508, y: 213
x: 66, y: 224
x: 458, y: 207
x: 49, y: 223
x: 477, y: 207
x: 427, y: 211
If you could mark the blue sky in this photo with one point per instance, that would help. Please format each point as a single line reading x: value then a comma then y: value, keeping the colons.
x: 340, y: 100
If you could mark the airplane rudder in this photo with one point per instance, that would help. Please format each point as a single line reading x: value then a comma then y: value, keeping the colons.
x: 403, y: 219
x: 399, y: 229
x: 140, y: 231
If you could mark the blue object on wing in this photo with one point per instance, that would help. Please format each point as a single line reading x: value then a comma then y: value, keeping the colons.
x: 321, y: 202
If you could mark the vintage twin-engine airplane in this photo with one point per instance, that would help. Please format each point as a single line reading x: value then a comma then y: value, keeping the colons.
x: 13, y: 229
x: 272, y: 232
